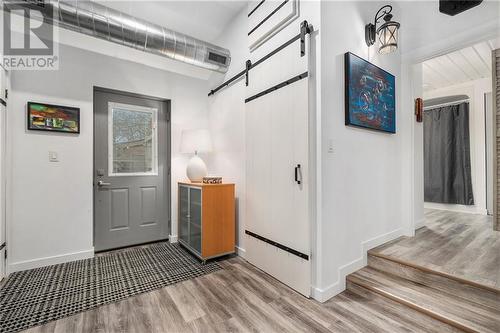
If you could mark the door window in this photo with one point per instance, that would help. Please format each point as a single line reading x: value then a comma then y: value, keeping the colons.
x: 132, y: 141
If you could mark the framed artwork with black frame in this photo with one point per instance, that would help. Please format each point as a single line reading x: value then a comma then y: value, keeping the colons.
x: 53, y: 118
x: 370, y: 95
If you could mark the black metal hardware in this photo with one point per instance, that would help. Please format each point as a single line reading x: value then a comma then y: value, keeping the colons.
x: 297, y: 169
x: 248, y: 65
x: 278, y: 86
x: 267, y: 17
x: 370, y: 28
x: 253, y: 10
x: 226, y: 83
x: 2, y: 246
x: 278, y: 245
x: 453, y: 7
x: 261, y: 60
x: 4, y: 103
x: 303, y: 31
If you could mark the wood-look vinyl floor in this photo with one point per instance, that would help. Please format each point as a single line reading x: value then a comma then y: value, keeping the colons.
x: 459, y: 244
x: 241, y: 298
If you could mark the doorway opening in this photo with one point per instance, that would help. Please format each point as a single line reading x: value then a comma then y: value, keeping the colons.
x: 458, y: 129
x: 132, y: 185
x: 457, y: 165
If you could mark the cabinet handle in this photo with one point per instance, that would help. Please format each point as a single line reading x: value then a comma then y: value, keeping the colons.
x: 297, y: 169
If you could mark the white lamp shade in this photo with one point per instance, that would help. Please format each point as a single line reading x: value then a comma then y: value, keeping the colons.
x: 197, y: 140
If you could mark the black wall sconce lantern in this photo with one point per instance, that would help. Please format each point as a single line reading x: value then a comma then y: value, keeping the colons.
x: 387, y: 33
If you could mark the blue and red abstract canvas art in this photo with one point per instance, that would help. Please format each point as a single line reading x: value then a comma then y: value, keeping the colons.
x: 370, y: 96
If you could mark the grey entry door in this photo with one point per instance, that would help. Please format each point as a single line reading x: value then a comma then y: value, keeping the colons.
x: 131, y: 169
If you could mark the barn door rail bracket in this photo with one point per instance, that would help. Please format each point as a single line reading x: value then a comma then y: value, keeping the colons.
x: 278, y: 245
x: 278, y: 86
x: 248, y: 65
x: 305, y: 28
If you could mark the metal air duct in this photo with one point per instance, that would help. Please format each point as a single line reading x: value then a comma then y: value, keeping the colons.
x: 93, y: 19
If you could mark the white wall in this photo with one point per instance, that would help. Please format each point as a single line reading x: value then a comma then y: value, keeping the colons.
x: 475, y: 90
x: 226, y: 113
x: 361, y: 179
x: 50, y: 204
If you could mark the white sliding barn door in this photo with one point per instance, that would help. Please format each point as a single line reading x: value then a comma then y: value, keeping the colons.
x: 277, y: 221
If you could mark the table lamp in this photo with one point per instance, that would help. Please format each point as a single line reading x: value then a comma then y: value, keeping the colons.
x: 196, y: 141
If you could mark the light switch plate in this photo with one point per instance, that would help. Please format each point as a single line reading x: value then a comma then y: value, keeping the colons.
x: 330, y: 146
x: 53, y: 157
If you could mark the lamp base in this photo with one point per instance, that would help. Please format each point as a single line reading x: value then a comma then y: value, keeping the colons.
x: 196, y: 169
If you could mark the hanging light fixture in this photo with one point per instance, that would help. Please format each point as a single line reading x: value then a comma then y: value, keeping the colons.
x: 387, y: 33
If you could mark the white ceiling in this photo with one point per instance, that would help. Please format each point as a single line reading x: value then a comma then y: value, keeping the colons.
x: 204, y: 20
x: 464, y: 65
x: 422, y: 24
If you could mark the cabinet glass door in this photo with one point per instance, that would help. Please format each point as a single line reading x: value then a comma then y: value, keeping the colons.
x: 195, y: 219
x: 184, y: 214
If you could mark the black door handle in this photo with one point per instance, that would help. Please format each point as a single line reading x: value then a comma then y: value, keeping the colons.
x: 297, y: 174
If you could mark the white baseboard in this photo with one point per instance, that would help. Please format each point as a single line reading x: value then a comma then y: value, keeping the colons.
x: 456, y: 208
x: 173, y: 238
x: 241, y: 251
x: 322, y: 295
x: 47, y: 261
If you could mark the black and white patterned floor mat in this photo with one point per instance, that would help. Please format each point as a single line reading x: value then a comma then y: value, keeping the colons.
x: 40, y: 295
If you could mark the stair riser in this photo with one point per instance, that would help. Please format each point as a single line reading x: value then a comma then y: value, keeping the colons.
x: 467, y: 291
x: 353, y: 280
x: 424, y: 319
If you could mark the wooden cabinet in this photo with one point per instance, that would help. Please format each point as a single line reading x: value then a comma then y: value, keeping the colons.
x: 207, y: 219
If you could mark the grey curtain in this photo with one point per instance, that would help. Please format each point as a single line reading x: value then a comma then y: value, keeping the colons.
x: 447, y: 168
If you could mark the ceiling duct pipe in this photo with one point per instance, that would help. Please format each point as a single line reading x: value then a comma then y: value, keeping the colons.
x: 96, y: 20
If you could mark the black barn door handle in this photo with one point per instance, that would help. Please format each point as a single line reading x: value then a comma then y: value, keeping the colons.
x: 297, y: 168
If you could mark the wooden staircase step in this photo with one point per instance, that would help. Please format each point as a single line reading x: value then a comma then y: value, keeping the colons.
x: 469, y: 290
x: 456, y: 311
x: 391, y: 315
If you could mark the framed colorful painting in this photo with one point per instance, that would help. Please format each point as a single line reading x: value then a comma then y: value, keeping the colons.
x: 54, y: 118
x: 370, y: 95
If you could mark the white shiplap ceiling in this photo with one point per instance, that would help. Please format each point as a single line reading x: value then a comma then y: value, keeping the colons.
x: 464, y: 65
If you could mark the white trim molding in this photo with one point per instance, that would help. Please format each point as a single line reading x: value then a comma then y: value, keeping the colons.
x: 47, y: 261
x: 241, y: 251
x: 269, y: 19
x: 322, y: 295
x: 456, y: 208
x: 420, y: 223
x: 486, y: 31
